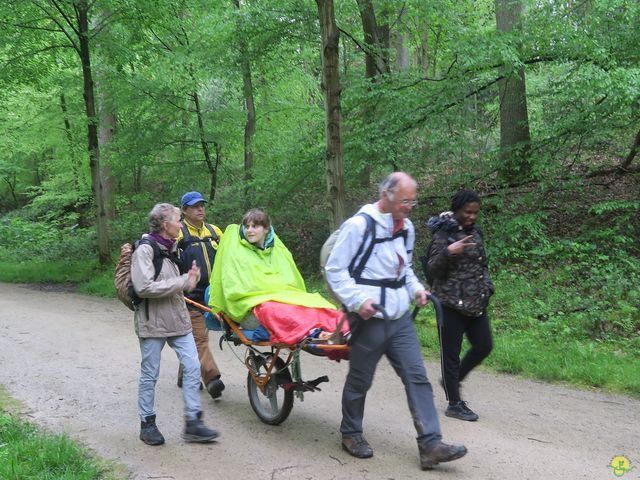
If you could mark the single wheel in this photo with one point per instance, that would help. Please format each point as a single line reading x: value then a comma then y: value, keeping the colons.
x: 275, y: 404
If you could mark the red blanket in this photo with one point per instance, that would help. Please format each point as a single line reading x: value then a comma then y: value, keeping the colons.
x: 291, y: 323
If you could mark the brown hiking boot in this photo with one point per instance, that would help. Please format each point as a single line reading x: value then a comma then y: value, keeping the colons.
x: 432, y: 455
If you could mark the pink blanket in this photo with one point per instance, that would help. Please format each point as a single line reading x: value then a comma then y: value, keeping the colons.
x: 291, y: 323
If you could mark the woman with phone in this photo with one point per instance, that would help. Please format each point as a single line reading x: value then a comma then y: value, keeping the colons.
x: 457, y: 265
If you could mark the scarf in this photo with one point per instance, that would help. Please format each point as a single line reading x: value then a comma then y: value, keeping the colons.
x: 165, y: 242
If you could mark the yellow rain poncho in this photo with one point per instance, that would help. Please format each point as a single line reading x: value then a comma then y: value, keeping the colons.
x: 244, y: 276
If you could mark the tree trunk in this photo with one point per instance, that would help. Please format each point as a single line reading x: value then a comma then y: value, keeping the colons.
x: 514, y: 120
x: 214, y: 175
x: 205, y: 145
x: 92, y: 132
x: 75, y: 167
x: 107, y: 127
x: 250, y: 124
x: 373, y: 39
x: 402, y: 52
x: 632, y: 153
x: 331, y: 88
x: 376, y: 64
x: 11, y: 181
x: 107, y: 122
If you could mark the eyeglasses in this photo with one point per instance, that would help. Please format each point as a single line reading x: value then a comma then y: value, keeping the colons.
x: 408, y: 203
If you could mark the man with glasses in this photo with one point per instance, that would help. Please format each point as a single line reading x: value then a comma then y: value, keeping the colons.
x: 374, y: 267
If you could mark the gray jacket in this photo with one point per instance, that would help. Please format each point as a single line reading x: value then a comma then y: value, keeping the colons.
x: 163, y: 312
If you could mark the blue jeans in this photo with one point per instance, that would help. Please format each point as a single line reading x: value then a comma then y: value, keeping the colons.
x: 402, y: 348
x: 185, y: 348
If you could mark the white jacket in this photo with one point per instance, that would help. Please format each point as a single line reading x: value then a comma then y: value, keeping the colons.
x: 390, y: 260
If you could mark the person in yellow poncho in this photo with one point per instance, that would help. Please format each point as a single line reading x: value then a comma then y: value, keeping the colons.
x: 254, y: 273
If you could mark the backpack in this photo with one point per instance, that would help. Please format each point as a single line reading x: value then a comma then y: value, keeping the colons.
x: 188, y: 239
x: 122, y: 275
x: 203, y: 252
x: 424, y: 260
x: 327, y: 246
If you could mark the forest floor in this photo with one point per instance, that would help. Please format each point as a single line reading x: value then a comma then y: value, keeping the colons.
x: 72, y: 360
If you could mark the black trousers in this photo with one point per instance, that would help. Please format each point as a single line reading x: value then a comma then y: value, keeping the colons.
x: 478, y: 332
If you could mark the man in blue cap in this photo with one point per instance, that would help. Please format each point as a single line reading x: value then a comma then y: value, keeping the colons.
x: 198, y: 241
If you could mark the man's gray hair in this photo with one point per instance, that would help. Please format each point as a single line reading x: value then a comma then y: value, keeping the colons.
x: 160, y: 213
x: 390, y: 183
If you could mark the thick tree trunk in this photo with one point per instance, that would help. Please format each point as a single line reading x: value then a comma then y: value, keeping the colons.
x: 107, y: 122
x: 376, y: 64
x: 331, y: 88
x: 92, y: 133
x: 373, y: 38
x: 106, y: 130
x: 402, y: 52
x: 514, y: 118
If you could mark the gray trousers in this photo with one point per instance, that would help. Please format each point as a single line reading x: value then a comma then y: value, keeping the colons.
x: 402, y: 348
x: 151, y: 349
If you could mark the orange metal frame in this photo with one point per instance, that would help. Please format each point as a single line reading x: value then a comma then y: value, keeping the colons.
x: 238, y: 331
x: 261, y: 380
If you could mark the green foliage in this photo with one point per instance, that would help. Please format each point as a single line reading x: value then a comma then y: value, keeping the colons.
x: 27, y: 453
x: 39, y: 271
x: 24, y: 241
x: 99, y: 284
x: 563, y: 250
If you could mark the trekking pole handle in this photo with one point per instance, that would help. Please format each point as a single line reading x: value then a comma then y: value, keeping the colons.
x: 437, y: 305
x: 382, y: 310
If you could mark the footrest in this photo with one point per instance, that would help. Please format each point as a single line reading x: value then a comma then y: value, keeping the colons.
x: 305, y: 386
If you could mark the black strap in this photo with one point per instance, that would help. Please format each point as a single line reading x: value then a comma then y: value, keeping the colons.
x: 384, y: 283
x: 158, y: 255
x: 356, y: 272
x: 370, y: 230
x: 187, y: 239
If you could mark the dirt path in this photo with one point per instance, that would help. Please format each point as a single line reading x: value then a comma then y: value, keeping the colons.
x: 73, y: 361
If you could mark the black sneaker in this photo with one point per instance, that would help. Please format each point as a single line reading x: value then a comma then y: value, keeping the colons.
x: 215, y: 388
x: 460, y: 411
x: 196, y: 431
x: 357, y: 446
x: 149, y: 432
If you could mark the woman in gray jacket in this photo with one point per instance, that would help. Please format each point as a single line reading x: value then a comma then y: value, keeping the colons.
x: 162, y: 318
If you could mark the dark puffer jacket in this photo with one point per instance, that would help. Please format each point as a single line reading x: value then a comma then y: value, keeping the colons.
x: 460, y: 281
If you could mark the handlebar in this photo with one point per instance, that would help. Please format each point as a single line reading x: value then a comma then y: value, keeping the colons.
x: 437, y: 305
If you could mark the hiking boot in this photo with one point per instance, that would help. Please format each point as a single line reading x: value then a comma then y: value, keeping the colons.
x: 441, y: 452
x: 149, y: 432
x: 196, y: 431
x: 357, y: 446
x: 460, y: 411
x: 179, y: 382
x: 215, y: 388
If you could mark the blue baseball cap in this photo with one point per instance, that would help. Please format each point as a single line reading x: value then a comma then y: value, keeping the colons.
x: 191, y: 198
